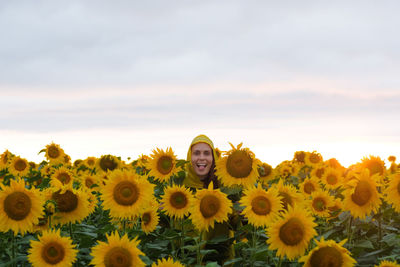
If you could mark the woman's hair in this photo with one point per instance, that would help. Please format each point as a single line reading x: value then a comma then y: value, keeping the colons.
x: 211, y: 177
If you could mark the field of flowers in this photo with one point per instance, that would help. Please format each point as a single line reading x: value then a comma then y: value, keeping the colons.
x: 102, y: 211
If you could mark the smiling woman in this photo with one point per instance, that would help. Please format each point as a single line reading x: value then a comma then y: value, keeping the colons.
x: 201, y: 167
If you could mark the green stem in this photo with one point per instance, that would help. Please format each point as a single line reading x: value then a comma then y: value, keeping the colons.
x: 171, y: 225
x: 380, y: 231
x: 49, y: 221
x: 123, y: 226
x: 198, y: 243
x: 280, y: 262
x: 182, y: 239
x: 13, y: 248
x: 349, y: 230
x: 253, y: 244
x: 70, y: 231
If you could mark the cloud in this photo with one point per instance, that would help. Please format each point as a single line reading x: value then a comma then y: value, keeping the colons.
x: 98, y: 43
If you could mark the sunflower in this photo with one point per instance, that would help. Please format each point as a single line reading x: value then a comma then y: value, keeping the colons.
x: 291, y: 233
x: 117, y: 251
x: 5, y: 159
x: 393, y: 168
x: 385, y: 263
x: 52, y: 250
x: 177, y: 201
x: 288, y: 193
x: 332, y: 178
x: 363, y: 197
x: 335, y: 209
x: 20, y: 208
x: 328, y: 253
x: 62, y: 175
x: 167, y: 263
x: 126, y: 194
x: 320, y: 202
x: 72, y: 204
x: 392, y: 192
x: 318, y: 171
x: 42, y: 226
x: 266, y: 172
x: 89, y: 181
x: 237, y: 167
x: 150, y: 218
x: 90, y: 162
x: 309, y: 185
x: 334, y: 163
x: 300, y: 157
x: 162, y: 164
x: 261, y: 207
x: 107, y: 163
x: 313, y: 158
x: 209, y: 206
x: 18, y: 166
x: 142, y: 161
x: 375, y: 165
x: 67, y: 160
x: 54, y: 153
x: 286, y: 168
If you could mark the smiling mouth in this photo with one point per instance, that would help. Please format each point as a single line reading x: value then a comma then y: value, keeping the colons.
x: 201, y: 166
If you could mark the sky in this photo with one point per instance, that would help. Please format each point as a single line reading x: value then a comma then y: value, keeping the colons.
x: 125, y: 77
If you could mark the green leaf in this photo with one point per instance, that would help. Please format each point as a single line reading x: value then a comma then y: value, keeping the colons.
x: 365, y: 244
x: 213, y: 264
x: 235, y: 260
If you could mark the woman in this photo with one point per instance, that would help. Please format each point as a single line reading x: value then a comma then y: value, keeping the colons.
x: 201, y: 156
x: 200, y: 172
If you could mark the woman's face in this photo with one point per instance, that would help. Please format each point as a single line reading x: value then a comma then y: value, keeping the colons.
x: 202, y: 159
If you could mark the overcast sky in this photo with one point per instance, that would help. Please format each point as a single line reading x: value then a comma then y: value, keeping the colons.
x: 124, y: 77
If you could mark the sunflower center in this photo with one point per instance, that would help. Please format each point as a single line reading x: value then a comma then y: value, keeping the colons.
x: 53, y: 253
x: 90, y: 162
x: 53, y: 152
x: 20, y: 165
x: 108, y: 163
x: 319, y: 172
x: 398, y: 188
x: 126, y: 193
x: 286, y: 199
x: 375, y: 167
x: 300, y: 156
x: 164, y: 164
x: 331, y: 179
x: 265, y: 170
x: 319, y: 204
x: 239, y: 164
x: 66, y: 202
x: 64, y: 177
x: 178, y: 200
x: 326, y: 257
x: 362, y: 194
x: 209, y: 206
x: 292, y: 232
x: 118, y: 257
x: 261, y: 205
x: 89, y: 182
x: 315, y: 158
x: 42, y: 221
x: 146, y: 218
x: 309, y: 188
x: 17, y: 205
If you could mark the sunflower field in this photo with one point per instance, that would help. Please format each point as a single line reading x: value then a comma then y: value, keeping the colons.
x: 103, y: 211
